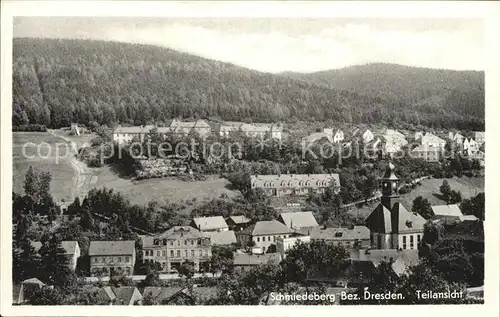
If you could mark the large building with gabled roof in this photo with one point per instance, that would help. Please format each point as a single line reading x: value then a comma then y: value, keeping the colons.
x: 391, y: 225
x: 294, y: 184
x: 263, y: 234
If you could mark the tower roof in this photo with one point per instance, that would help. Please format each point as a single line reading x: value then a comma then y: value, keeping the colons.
x: 389, y: 172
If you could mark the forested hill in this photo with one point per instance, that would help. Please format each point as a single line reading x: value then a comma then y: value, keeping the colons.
x: 460, y: 92
x: 56, y: 82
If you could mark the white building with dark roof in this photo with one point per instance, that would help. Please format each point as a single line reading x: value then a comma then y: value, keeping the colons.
x: 108, y: 257
x: 357, y: 237
x: 263, y: 234
x: 391, y: 225
x: 294, y: 184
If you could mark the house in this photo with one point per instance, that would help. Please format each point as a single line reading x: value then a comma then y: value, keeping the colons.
x: 357, y: 237
x: 432, y: 141
x: 200, y: 127
x: 237, y: 223
x: 429, y: 154
x: 402, y: 258
x: 109, y: 257
x: 480, y: 137
x: 27, y: 288
x: 365, y: 134
x: 205, y: 224
x: 123, y: 135
x: 160, y: 295
x: 316, y: 137
x: 457, y: 138
x: 104, y: 295
x: 176, y: 245
x: 471, y: 145
x: 263, y: 234
x: 285, y: 244
x: 75, y: 129
x: 336, y: 137
x: 126, y: 295
x: 391, y: 225
x: 394, y: 141
x: 245, y: 261
x: 229, y: 127
x: 418, y: 135
x: 222, y: 237
x: 262, y: 130
x: 448, y: 214
x: 294, y: 184
x: 71, y: 251
x: 298, y: 220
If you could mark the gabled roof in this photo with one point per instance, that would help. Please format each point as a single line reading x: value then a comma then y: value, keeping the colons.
x: 33, y: 280
x: 267, y: 228
x: 447, y: 211
x: 184, y: 231
x: 379, y: 220
x: 104, y: 294
x: 210, y: 223
x: 341, y: 234
x: 402, y: 258
x: 111, y: 247
x: 238, y: 219
x: 161, y: 294
x: 404, y: 221
x: 299, y: 219
x: 124, y: 294
x: 317, y: 136
x: 255, y: 259
x: 222, y: 237
x: 431, y: 138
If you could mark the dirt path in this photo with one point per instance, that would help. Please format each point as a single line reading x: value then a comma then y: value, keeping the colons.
x: 83, y: 175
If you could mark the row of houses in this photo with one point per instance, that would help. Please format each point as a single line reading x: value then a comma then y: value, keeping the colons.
x: 201, y: 127
x: 295, y: 184
x: 124, y: 295
x: 392, y: 141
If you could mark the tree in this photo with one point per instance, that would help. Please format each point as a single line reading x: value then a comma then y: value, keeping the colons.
x: 37, y: 183
x: 445, y: 190
x: 455, y: 197
x: 474, y: 206
x: 152, y: 279
x: 422, y: 207
x: 187, y: 269
x: 54, y: 264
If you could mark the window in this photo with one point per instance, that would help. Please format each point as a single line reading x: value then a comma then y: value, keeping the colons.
x: 258, y: 239
x: 185, y: 242
x: 404, y: 242
x: 127, y: 259
x: 200, y: 253
x: 172, y: 253
x: 411, y: 242
x: 186, y: 253
x: 119, y: 259
x: 164, y: 241
x: 178, y: 253
x: 178, y: 242
x: 163, y: 253
x: 171, y: 243
x: 192, y: 253
x: 418, y: 239
x: 192, y: 242
x: 269, y: 238
x: 338, y: 234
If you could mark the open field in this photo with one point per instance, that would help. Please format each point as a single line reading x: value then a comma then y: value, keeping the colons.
x: 79, y: 140
x: 63, y: 174
x: 469, y: 187
x: 173, y: 190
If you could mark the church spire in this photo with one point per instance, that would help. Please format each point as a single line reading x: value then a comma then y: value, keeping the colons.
x: 390, y: 184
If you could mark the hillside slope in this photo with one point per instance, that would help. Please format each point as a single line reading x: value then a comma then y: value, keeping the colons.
x: 56, y: 82
x: 461, y: 92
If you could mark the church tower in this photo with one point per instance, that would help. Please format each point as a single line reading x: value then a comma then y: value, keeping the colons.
x: 389, y: 185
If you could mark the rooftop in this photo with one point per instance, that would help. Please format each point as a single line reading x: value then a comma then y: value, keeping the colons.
x: 68, y: 246
x: 294, y: 180
x: 255, y: 259
x: 222, y: 237
x: 447, y: 210
x: 298, y: 219
x: 270, y: 227
x: 111, y: 247
x: 210, y: 223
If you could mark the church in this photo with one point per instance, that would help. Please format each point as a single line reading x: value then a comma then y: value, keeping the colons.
x: 392, y: 226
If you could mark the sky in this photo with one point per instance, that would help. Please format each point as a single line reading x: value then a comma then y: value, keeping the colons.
x: 286, y: 44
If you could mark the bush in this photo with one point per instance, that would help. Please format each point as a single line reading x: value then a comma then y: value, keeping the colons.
x: 29, y: 128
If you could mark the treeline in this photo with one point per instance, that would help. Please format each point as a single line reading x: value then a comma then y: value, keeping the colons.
x: 56, y: 82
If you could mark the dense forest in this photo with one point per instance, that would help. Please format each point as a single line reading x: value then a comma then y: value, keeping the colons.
x: 56, y: 82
